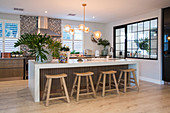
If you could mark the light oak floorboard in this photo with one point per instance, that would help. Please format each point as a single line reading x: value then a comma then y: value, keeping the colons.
x: 15, y: 97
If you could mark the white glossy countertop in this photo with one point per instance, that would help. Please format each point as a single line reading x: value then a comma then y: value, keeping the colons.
x: 84, y: 63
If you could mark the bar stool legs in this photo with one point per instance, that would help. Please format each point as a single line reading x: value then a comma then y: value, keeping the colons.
x: 77, y: 80
x: 111, y: 75
x: 127, y: 78
x: 48, y: 88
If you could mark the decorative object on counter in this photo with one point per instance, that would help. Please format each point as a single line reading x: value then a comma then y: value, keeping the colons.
x: 104, y: 43
x: 63, y: 58
x: 38, y: 45
x: 83, y: 27
x: 80, y: 58
x: 17, y: 54
x: 6, y: 55
x: 64, y: 54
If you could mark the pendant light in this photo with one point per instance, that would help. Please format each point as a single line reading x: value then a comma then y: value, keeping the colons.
x: 67, y: 28
x: 83, y: 27
x: 97, y: 34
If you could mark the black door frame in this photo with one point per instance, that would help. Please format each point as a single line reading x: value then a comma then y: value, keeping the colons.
x: 114, y: 39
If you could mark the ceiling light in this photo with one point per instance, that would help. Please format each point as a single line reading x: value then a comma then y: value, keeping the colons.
x: 67, y: 28
x: 83, y: 27
x: 72, y: 31
x: 93, y: 17
x: 46, y: 12
x: 97, y: 34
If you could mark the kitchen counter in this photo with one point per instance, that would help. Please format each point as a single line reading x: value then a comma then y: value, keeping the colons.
x: 37, y: 71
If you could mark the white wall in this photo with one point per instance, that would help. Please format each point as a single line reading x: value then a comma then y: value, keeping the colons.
x: 88, y: 44
x: 9, y: 16
x: 150, y: 70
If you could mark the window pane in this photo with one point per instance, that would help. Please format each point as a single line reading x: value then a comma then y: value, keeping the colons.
x: 153, y: 54
x: 153, y: 44
x: 11, y: 30
x: 140, y: 35
x: 66, y: 35
x: 78, y: 35
x: 140, y: 26
x: 129, y: 44
x: 120, y: 47
x: 146, y: 34
x: 0, y: 29
x: 68, y: 43
x: 134, y: 28
x: 1, y: 45
x: 9, y: 45
x: 146, y: 25
x: 129, y: 28
x: 153, y: 34
x: 154, y: 24
x: 118, y: 32
x: 78, y: 46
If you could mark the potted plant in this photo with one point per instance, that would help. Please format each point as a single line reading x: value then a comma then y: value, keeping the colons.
x: 104, y: 43
x: 17, y: 53
x: 13, y: 53
x: 64, y: 54
x: 38, y: 45
x: 21, y: 53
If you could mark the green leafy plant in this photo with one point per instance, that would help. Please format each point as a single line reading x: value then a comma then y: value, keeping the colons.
x: 74, y: 52
x: 65, y: 48
x: 54, y: 47
x: 104, y: 43
x: 21, y: 52
x: 13, y: 52
x: 36, y: 43
x: 143, y: 44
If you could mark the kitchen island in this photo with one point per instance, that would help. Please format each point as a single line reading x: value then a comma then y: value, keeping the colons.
x: 37, y: 72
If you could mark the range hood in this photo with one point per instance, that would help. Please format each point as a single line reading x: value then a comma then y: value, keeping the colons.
x: 43, y: 27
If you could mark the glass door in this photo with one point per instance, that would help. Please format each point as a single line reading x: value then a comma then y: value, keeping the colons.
x: 119, y: 42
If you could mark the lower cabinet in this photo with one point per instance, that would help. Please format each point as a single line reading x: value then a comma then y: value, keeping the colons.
x: 11, y: 68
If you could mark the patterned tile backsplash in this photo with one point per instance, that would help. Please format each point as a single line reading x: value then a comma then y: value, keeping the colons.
x: 29, y: 23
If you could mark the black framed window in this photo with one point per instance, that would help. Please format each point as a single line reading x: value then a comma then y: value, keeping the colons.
x: 141, y: 39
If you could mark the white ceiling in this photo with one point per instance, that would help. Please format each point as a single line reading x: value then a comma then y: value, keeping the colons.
x: 105, y: 11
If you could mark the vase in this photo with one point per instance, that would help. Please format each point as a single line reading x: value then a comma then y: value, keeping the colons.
x: 104, y: 52
x: 63, y: 57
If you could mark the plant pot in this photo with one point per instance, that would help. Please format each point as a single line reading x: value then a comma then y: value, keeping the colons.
x: 104, y: 52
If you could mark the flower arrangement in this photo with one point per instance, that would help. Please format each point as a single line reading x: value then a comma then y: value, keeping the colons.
x: 65, y: 48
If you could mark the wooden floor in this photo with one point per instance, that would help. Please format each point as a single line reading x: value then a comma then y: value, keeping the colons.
x: 152, y: 98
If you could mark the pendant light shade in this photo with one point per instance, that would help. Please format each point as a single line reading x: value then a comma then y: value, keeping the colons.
x: 67, y: 28
x: 97, y: 34
x: 81, y: 27
x: 72, y: 31
x: 86, y: 30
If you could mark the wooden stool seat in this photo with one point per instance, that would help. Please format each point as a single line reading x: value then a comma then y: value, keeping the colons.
x: 128, y: 78
x: 84, y: 74
x: 56, y: 76
x: 48, y: 87
x: 77, y: 82
x: 108, y: 72
x: 128, y: 70
x: 104, y: 73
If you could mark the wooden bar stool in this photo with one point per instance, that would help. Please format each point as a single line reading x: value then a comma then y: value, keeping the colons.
x: 48, y: 87
x: 78, y: 79
x: 104, y: 73
x: 127, y: 78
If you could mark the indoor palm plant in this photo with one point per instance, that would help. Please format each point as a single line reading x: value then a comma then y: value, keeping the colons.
x: 104, y: 43
x: 38, y: 45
